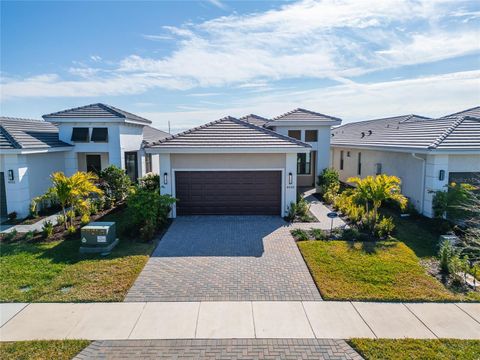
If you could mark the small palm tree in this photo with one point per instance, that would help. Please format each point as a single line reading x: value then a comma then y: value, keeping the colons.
x: 73, y: 190
x: 376, y: 190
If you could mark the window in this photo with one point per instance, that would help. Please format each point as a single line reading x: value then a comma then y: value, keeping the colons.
x: 148, y: 163
x: 359, y: 164
x: 80, y: 134
x: 348, y: 153
x: 378, y: 169
x: 341, y: 159
x: 296, y: 134
x: 131, y: 165
x: 311, y: 135
x: 303, y: 164
x: 100, y: 135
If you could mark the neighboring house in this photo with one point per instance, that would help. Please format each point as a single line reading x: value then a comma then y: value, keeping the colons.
x: 88, y: 138
x: 246, y: 166
x: 426, y: 154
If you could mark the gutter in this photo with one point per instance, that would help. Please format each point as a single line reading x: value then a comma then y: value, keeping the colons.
x: 415, y: 156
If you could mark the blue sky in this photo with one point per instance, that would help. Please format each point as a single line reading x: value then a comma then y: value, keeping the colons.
x: 190, y: 62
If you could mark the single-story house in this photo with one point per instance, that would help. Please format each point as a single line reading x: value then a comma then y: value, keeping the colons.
x: 249, y: 166
x: 87, y: 138
x: 426, y: 154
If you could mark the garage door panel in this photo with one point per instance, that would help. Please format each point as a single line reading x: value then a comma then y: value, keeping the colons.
x: 228, y: 192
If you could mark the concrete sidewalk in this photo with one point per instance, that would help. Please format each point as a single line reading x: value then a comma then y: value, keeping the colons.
x: 235, y: 320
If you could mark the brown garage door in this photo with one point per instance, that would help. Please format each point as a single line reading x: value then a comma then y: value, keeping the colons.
x: 228, y: 192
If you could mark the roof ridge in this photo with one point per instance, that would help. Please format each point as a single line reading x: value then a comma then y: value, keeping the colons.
x: 71, y: 109
x: 406, y: 118
x: 304, y: 110
x: 459, y: 112
x: 10, y: 138
x: 22, y: 119
x: 447, y: 132
x: 112, y: 110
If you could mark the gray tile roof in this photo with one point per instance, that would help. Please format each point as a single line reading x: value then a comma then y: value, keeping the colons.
x: 28, y: 134
x: 411, y: 131
x: 255, y: 119
x: 473, y: 112
x: 302, y: 114
x: 230, y: 132
x: 151, y: 134
x: 96, y: 111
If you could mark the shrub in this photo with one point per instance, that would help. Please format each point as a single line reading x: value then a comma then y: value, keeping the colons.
x: 303, y: 207
x: 318, y: 234
x: 150, y: 182
x: 29, y: 236
x: 60, y: 219
x: 12, y: 215
x: 328, y: 179
x: 299, y: 234
x: 292, y: 211
x: 350, y: 234
x: 99, y: 203
x: 71, y: 230
x: 446, y: 253
x: 148, y: 210
x: 331, y: 193
x: 70, y: 215
x: 47, y: 229
x: 11, y: 235
x: 115, y: 183
x: 384, y: 227
x: 85, y: 219
x: 449, y: 203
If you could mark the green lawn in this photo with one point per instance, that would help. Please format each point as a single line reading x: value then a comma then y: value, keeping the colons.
x: 47, y: 267
x: 382, y: 271
x: 42, y: 350
x: 409, y: 349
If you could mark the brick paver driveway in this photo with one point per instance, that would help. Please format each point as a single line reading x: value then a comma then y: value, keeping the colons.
x: 203, y: 258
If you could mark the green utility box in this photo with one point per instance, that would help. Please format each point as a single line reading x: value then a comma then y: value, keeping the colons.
x: 98, y: 237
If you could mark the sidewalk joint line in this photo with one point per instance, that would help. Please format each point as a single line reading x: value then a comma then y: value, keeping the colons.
x: 308, y: 319
x: 18, y: 312
x: 466, y: 313
x: 138, y: 319
x: 253, y: 321
x: 365, y: 321
x: 198, y: 316
x: 420, y: 320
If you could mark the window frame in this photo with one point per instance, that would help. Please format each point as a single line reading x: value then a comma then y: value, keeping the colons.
x: 359, y: 164
x: 378, y: 168
x: 306, y: 163
x: 96, y: 130
x: 77, y: 129
x: 295, y: 131
x: 310, y: 132
x: 148, y: 163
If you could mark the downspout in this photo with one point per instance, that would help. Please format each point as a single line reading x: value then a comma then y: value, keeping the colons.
x: 423, y: 179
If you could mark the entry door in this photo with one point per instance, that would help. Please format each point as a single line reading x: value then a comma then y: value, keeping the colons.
x: 3, y: 196
x: 94, y: 163
x: 131, y: 165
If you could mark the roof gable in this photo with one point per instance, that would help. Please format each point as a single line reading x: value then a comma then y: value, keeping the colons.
x: 230, y: 132
x: 255, y: 119
x: 97, y: 110
x: 303, y: 114
x: 18, y: 133
x: 473, y: 112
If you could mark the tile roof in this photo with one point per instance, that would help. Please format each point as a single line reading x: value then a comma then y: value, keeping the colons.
x: 151, y: 134
x: 473, y: 112
x: 302, y: 114
x: 96, y: 111
x: 255, y: 119
x: 28, y: 134
x: 411, y: 131
x: 230, y: 132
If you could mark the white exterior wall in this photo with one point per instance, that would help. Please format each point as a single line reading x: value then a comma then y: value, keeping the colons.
x: 169, y: 163
x: 402, y: 165
x: 18, y: 190
x: 40, y: 167
x: 464, y: 163
x: 321, y: 146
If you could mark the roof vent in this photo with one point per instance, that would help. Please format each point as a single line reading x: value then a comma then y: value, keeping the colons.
x: 363, y: 135
x: 370, y: 132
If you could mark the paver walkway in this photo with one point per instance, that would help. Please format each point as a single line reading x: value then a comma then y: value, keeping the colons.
x: 31, y: 227
x: 292, y: 349
x: 239, y: 320
x: 221, y: 258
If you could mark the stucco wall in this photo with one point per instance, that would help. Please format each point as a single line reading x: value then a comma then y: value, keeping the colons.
x: 403, y: 165
x: 40, y: 167
x: 464, y: 163
x: 227, y: 161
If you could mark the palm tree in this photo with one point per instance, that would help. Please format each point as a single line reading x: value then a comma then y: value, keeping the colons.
x: 376, y: 190
x: 73, y: 190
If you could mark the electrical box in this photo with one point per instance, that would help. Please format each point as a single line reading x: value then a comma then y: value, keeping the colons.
x: 98, y: 237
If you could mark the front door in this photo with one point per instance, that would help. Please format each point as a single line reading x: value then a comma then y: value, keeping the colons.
x: 131, y: 165
x: 94, y: 163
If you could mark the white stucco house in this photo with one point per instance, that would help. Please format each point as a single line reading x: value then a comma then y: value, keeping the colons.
x: 426, y: 154
x: 248, y: 166
x: 87, y: 138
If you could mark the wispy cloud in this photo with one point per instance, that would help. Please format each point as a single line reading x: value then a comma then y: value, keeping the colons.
x: 219, y: 4
x: 157, y: 37
x: 334, y: 39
